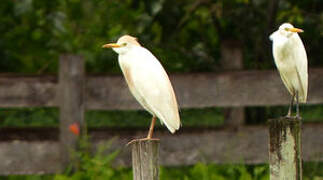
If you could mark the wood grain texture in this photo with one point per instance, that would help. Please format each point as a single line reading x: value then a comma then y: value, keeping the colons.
x: 232, y: 60
x: 193, y: 90
x: 198, y: 90
x: 27, y: 91
x: 25, y: 157
x: 145, y: 159
x: 71, y: 99
x: 285, y: 157
x: 24, y: 153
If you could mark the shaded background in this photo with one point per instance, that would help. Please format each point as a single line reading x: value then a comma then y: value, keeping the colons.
x: 185, y: 36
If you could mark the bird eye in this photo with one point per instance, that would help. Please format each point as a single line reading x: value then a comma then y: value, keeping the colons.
x: 286, y: 29
x: 124, y: 44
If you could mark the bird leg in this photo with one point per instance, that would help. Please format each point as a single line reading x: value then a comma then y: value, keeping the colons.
x: 297, y: 105
x: 151, y: 129
x: 289, y: 114
x: 150, y: 133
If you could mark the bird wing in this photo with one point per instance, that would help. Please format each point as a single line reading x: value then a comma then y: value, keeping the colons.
x: 153, y: 87
x: 286, y: 82
x: 291, y: 61
x: 284, y: 62
x: 300, y: 59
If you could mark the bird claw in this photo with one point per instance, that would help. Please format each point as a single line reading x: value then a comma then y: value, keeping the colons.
x: 288, y: 116
x: 293, y: 117
x: 142, y: 139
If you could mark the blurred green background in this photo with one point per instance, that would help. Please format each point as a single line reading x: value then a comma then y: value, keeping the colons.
x: 184, y: 35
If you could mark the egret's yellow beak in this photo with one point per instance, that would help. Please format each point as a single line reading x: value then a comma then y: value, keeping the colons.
x: 111, y: 45
x: 295, y: 30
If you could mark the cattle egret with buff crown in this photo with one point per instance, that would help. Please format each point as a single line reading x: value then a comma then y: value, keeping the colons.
x: 291, y: 61
x: 148, y: 82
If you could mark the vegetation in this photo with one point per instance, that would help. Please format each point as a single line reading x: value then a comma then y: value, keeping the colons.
x: 206, y: 117
x: 99, y: 167
x: 87, y: 166
x: 185, y: 35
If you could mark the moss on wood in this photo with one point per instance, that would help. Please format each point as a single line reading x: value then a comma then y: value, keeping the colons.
x: 285, y: 147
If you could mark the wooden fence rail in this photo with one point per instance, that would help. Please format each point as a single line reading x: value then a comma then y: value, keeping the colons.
x: 248, y: 144
x: 194, y: 90
x: 76, y: 92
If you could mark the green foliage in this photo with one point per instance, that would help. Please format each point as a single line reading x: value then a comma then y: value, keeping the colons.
x: 209, y: 117
x: 260, y: 115
x: 32, y: 117
x: 185, y: 35
x: 37, y: 117
x: 201, y: 171
x: 87, y: 166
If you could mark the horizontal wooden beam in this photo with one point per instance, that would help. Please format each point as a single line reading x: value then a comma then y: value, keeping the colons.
x: 198, y: 90
x: 27, y: 91
x: 223, y: 145
x: 25, y: 157
x: 193, y: 90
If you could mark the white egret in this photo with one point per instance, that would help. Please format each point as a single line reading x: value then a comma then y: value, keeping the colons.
x: 147, y: 81
x: 291, y: 61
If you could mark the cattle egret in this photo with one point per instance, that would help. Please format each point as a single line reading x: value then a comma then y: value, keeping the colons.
x: 291, y: 61
x: 148, y: 82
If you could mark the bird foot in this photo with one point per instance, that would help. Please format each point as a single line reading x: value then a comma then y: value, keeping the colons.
x: 293, y: 117
x: 298, y: 116
x: 288, y: 116
x: 142, y: 139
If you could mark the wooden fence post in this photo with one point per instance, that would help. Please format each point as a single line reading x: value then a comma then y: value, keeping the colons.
x: 232, y: 59
x: 285, y: 148
x: 145, y: 159
x: 71, y: 102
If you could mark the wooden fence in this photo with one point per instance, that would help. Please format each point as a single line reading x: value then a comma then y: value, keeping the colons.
x: 45, y: 150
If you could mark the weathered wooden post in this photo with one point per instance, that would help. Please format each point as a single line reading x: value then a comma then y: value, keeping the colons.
x: 71, y: 100
x: 145, y: 159
x: 285, y: 148
x: 231, y: 60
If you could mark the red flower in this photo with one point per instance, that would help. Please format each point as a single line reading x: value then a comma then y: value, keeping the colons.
x: 75, y: 129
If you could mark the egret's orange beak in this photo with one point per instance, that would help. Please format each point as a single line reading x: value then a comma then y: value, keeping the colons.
x: 295, y: 30
x: 111, y: 45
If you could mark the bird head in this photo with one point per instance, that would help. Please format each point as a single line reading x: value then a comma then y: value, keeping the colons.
x: 123, y: 45
x: 286, y: 30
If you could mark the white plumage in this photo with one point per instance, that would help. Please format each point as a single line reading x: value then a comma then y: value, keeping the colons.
x: 147, y: 81
x: 291, y: 61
